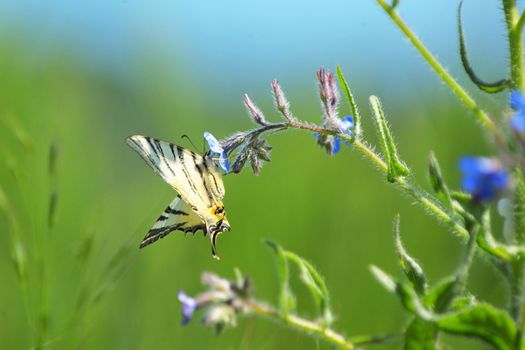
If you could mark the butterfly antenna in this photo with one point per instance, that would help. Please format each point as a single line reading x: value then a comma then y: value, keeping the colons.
x: 187, y: 137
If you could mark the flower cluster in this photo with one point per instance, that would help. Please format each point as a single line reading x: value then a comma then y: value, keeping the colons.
x: 331, y: 143
x: 222, y: 302
x: 249, y: 147
x: 330, y: 100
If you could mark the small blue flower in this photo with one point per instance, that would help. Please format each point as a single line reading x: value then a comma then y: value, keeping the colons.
x: 217, y: 150
x: 483, y: 178
x: 347, y: 123
x: 517, y: 103
x: 333, y: 143
x: 189, y: 305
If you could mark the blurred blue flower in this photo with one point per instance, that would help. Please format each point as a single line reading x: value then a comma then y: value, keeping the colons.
x: 333, y: 143
x: 217, y: 150
x: 483, y: 178
x: 517, y: 103
x: 189, y: 305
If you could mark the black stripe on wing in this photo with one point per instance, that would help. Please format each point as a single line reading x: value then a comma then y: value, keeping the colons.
x: 162, y: 228
x: 157, y: 233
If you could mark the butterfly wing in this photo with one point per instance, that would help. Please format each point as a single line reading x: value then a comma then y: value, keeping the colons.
x: 195, y: 178
x: 177, y: 216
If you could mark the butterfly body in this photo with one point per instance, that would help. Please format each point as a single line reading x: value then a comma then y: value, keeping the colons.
x: 198, y: 182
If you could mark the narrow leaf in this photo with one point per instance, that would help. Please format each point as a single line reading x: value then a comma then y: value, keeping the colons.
x: 421, y: 335
x: 491, y: 88
x: 410, y: 267
x: 437, y: 181
x: 351, y: 102
x: 396, y: 167
x: 388, y: 282
x: 488, y: 243
x: 315, y: 284
x: 442, y: 295
x: 408, y: 297
x: 287, y: 301
x: 484, y: 322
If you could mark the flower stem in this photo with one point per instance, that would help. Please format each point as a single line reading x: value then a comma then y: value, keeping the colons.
x: 427, y: 201
x: 468, y: 258
x: 300, y: 323
x: 457, y: 89
x: 515, y: 37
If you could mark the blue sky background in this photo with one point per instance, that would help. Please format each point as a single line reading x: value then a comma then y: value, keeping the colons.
x: 233, y: 46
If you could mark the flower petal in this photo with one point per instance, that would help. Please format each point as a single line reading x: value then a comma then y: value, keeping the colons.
x: 483, y: 178
x: 215, y: 146
x: 189, y: 305
x: 517, y: 122
x: 348, y: 122
x: 336, y: 147
x: 224, y: 163
x: 517, y: 100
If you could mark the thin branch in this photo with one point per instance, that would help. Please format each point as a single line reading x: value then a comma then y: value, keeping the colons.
x: 427, y: 201
x: 458, y: 90
x: 303, y: 324
x: 515, y: 38
x: 491, y: 88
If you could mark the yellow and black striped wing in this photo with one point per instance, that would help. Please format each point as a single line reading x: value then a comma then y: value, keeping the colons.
x: 194, y: 177
x: 177, y: 216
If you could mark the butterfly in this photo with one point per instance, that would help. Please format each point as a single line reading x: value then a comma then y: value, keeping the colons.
x: 197, y: 180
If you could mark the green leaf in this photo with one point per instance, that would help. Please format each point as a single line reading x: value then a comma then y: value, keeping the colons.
x: 491, y: 88
x: 463, y: 302
x: 386, y: 280
x: 421, y: 335
x: 484, y: 322
x: 351, y: 102
x: 436, y: 180
x: 315, y: 284
x: 287, y: 302
x: 410, y: 267
x: 488, y: 243
x: 396, y: 167
x: 519, y: 206
x: 442, y: 295
x: 406, y: 294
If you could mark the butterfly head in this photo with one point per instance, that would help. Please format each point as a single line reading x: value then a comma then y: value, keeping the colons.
x: 221, y: 225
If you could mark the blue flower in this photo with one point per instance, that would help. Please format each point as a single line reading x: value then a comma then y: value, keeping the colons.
x: 333, y: 143
x: 517, y: 103
x: 483, y: 178
x: 217, y: 150
x: 189, y: 305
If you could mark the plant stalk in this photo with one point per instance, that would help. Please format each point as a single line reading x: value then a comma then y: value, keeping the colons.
x: 457, y: 89
x: 515, y: 38
x: 300, y: 323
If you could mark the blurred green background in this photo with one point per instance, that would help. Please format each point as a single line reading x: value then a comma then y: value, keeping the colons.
x: 76, y: 79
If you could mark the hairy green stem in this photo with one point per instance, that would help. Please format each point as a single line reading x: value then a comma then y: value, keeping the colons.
x: 515, y: 36
x: 427, y: 201
x: 468, y: 258
x: 457, y: 89
x: 303, y: 324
